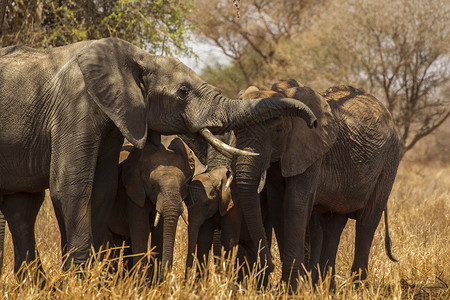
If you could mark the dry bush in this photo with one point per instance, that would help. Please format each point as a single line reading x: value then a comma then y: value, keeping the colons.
x: 419, y: 217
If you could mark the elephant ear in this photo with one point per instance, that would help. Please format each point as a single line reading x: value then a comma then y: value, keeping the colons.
x: 179, y: 146
x: 226, y: 201
x: 304, y: 145
x: 251, y: 92
x: 131, y: 177
x: 112, y: 77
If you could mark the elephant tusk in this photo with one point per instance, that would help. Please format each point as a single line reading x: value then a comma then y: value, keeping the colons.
x: 222, y: 147
x: 158, y: 215
x: 184, y: 215
x: 229, y: 180
x: 262, y: 181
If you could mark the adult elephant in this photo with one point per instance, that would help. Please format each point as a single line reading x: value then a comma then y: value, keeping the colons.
x: 64, y: 114
x: 344, y: 169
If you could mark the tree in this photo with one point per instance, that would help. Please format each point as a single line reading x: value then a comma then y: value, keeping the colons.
x: 398, y: 50
x: 158, y: 26
x: 251, y: 41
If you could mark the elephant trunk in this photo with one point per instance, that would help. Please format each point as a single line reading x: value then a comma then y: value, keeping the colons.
x: 247, y: 181
x: 2, y: 239
x: 242, y: 113
x: 227, y: 114
x: 170, y: 228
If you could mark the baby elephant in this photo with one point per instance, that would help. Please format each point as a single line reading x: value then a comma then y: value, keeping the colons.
x: 209, y: 202
x: 211, y: 207
x: 152, y: 185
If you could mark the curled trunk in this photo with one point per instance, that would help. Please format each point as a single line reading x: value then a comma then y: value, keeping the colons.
x: 242, y: 113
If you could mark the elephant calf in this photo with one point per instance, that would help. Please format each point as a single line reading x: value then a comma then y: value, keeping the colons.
x: 152, y: 185
x: 212, y: 210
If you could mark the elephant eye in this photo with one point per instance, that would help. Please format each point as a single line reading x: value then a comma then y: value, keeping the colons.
x: 183, y: 91
x: 279, y: 129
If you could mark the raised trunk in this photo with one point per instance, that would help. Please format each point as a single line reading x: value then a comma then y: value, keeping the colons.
x: 228, y: 114
x: 170, y: 228
x: 249, y: 112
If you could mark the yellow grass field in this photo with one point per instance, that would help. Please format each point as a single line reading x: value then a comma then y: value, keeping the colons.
x: 419, y: 219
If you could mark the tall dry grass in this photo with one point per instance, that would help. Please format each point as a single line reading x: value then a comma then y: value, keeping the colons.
x: 419, y: 219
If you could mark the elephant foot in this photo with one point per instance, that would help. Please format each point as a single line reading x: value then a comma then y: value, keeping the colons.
x: 291, y: 277
x: 33, y: 272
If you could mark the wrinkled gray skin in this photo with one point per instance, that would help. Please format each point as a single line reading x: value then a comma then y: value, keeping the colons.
x: 64, y: 114
x: 215, y: 220
x: 153, y: 179
x: 209, y: 204
x: 343, y: 169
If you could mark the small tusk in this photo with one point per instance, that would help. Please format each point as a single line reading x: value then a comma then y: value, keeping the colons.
x: 262, y: 181
x: 229, y: 180
x: 184, y: 215
x: 222, y: 147
x: 158, y: 215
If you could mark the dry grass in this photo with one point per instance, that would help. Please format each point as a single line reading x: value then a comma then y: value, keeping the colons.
x: 419, y: 219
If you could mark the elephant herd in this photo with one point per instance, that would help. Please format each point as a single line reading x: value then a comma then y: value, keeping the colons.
x: 286, y: 160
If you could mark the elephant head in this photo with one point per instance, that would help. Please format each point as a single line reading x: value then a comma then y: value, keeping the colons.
x: 209, y: 194
x: 139, y: 91
x: 286, y: 140
x: 157, y: 176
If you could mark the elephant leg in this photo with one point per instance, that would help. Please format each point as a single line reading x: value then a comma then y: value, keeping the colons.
x: 20, y: 211
x: 298, y: 204
x: 105, y: 187
x: 332, y: 227
x: 365, y: 230
x: 204, y: 243
x: 139, y: 223
x: 314, y: 239
x: 72, y: 169
x: 230, y: 225
x: 62, y: 229
x: 275, y: 186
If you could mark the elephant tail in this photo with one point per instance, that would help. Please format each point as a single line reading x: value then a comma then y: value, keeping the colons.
x: 387, y: 238
x: 2, y: 239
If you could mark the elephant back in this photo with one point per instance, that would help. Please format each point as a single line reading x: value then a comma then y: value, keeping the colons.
x: 362, y: 114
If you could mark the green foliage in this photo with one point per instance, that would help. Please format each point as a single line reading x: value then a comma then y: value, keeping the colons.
x: 227, y: 78
x: 157, y: 26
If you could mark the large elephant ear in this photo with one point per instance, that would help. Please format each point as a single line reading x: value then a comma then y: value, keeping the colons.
x: 111, y: 75
x: 304, y: 145
x: 131, y: 177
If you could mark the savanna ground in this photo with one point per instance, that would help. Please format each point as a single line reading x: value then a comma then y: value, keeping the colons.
x: 419, y: 219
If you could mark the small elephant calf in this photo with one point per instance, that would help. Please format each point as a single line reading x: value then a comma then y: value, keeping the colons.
x: 211, y: 208
x: 152, y: 185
